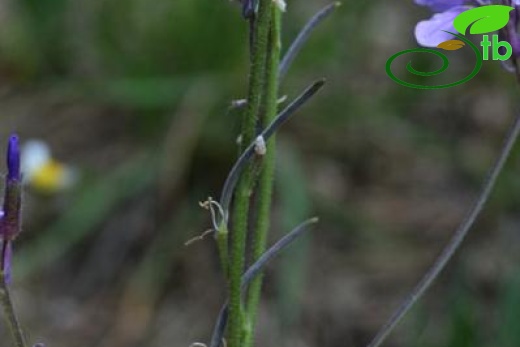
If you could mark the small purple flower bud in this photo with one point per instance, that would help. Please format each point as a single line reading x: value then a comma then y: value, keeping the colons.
x: 10, y: 222
x: 248, y: 8
x: 13, y: 158
x: 512, y: 33
x: 10, y: 215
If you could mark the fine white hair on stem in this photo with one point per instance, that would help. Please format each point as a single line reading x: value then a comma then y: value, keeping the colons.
x: 239, y: 103
x: 260, y: 147
x: 281, y: 4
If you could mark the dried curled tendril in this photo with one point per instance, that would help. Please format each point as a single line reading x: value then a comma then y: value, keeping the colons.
x: 217, y: 218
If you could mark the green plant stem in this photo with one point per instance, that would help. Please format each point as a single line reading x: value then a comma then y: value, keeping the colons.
x: 241, y: 207
x: 253, y: 271
x: 10, y: 315
x: 222, y: 244
x: 265, y: 187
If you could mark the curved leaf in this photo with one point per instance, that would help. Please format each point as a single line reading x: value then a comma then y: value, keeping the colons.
x: 483, y: 19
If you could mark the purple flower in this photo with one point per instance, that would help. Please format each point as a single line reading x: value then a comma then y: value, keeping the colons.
x: 440, y: 5
x: 10, y: 222
x: 509, y: 33
x: 13, y: 158
x: 10, y: 216
x: 430, y: 32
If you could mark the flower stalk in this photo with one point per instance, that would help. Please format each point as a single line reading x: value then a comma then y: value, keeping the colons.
x: 9, y: 313
x: 253, y: 271
x: 260, y: 36
x: 266, y: 180
x: 261, y: 112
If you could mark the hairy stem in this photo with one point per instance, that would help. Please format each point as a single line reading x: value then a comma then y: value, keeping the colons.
x: 253, y: 271
x: 223, y: 248
x: 245, y: 157
x: 455, y: 241
x: 10, y: 315
x: 265, y: 187
x: 241, y: 210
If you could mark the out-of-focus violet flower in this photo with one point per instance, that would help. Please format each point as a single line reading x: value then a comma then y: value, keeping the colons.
x: 440, y: 5
x: 10, y: 223
x: 13, y: 158
x: 510, y: 33
x: 515, y: 43
x: 10, y: 215
x: 431, y: 32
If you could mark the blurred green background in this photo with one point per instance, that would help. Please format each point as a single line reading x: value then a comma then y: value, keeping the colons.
x: 135, y: 95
